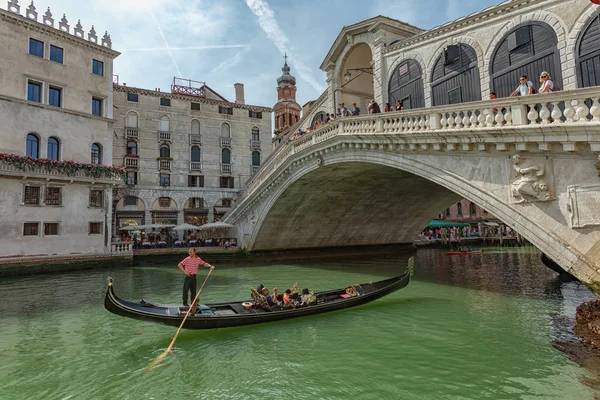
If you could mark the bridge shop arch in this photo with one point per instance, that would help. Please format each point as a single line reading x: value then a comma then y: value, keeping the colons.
x: 455, y: 76
x: 355, y: 80
x: 406, y: 85
x: 528, y: 49
x: 588, y: 53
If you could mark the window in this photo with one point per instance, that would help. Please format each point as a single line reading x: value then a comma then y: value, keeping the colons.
x: 256, y: 158
x: 130, y: 201
x: 133, y: 97
x: 95, y: 228
x: 32, y: 195
x: 164, y: 202
x: 455, y: 96
x: 53, y: 152
x: 472, y: 208
x: 53, y: 196
x: 225, y: 110
x: 31, y: 229
x: 98, y: 69
x: 451, y: 54
x: 56, y: 54
x: 132, y: 120
x: 34, y: 91
x: 97, y: 106
x: 165, y: 102
x: 225, y: 156
x: 55, y: 96
x: 195, y: 181
x: 520, y: 37
x: 447, y: 212
x: 255, y: 134
x: 165, y: 151
x: 165, y: 180
x: 50, y: 228
x: 196, y: 203
x: 195, y: 127
x: 196, y: 106
x: 33, y: 146
x: 36, y: 48
x: 96, y: 154
x: 164, y: 124
x: 96, y: 198
x: 255, y: 114
x: 132, y: 148
x: 459, y: 207
x: 226, y: 182
x: 195, y: 156
x: 226, y: 202
x: 131, y: 178
x: 225, y: 130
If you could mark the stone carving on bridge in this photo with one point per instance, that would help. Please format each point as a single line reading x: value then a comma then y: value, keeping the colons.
x: 320, y: 161
x: 583, y: 204
x: 530, y: 179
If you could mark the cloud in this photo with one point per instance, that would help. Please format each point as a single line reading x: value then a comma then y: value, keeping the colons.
x: 402, y: 10
x: 268, y: 23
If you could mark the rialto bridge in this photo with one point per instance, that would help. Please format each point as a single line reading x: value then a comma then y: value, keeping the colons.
x: 533, y: 161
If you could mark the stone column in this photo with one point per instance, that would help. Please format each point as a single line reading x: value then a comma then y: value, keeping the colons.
x: 330, y: 79
x: 180, y: 220
x: 211, y: 214
x: 377, y: 64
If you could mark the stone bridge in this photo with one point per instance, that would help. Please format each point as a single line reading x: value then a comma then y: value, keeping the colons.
x: 378, y: 179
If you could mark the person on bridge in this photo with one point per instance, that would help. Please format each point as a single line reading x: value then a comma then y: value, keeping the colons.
x: 189, y: 266
x: 525, y: 87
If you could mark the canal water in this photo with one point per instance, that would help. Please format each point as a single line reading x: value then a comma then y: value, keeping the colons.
x: 466, y: 327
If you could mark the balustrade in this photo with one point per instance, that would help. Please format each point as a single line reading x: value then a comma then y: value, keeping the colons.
x: 195, y: 139
x: 254, y: 169
x: 132, y: 133
x: 121, y: 247
x: 225, y: 142
x: 195, y: 166
x: 131, y: 162
x: 164, y: 136
x: 164, y: 165
x: 255, y: 144
x: 225, y: 168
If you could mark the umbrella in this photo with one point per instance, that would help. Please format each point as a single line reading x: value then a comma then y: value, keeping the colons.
x: 131, y: 228
x: 186, y: 227
x: 160, y: 226
x: 215, y: 225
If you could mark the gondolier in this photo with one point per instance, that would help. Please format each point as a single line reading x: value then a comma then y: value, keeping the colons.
x: 189, y: 266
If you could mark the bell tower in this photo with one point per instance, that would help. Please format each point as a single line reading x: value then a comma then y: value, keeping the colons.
x: 287, y: 111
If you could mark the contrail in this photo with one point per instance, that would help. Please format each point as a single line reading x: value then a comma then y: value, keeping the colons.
x: 209, y: 47
x: 162, y: 34
x: 268, y: 23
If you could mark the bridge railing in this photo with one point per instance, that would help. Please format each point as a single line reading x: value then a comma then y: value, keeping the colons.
x: 561, y: 108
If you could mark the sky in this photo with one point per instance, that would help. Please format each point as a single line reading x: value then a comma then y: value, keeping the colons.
x: 222, y: 42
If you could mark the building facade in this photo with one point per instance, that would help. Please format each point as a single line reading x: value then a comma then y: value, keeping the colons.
x: 56, y: 174
x: 187, y: 153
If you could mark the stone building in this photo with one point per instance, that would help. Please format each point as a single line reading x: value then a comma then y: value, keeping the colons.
x: 56, y: 144
x: 187, y: 153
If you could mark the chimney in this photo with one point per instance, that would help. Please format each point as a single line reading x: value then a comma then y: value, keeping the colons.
x: 239, y: 93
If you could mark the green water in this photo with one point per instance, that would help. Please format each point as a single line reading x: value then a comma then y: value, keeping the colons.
x: 465, y: 328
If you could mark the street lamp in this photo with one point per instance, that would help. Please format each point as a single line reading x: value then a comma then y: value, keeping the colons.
x: 347, y: 76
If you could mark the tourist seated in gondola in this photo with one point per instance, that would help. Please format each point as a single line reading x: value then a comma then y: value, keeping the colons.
x: 307, y: 298
x: 286, y: 298
x: 271, y: 298
x: 349, y: 292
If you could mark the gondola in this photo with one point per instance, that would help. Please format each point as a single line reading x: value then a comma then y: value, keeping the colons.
x: 224, y: 315
x: 462, y: 253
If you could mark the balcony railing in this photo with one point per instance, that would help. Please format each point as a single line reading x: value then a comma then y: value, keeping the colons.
x: 131, y: 162
x: 255, y: 144
x: 254, y: 169
x: 110, y: 175
x: 121, y: 247
x: 195, y: 139
x: 225, y: 142
x: 225, y: 168
x: 163, y: 135
x: 164, y: 165
x: 196, y: 166
x: 132, y: 133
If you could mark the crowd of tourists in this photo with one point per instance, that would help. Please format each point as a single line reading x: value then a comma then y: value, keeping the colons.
x: 168, y: 238
x: 456, y: 233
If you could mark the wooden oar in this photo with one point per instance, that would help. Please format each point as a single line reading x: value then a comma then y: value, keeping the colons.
x: 164, y: 354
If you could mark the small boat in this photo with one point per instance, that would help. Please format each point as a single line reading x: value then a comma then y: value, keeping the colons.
x: 224, y: 315
x: 461, y: 253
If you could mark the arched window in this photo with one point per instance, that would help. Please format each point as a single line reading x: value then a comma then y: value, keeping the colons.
x: 587, y: 52
x: 455, y: 76
x: 256, y: 158
x: 165, y: 151
x: 225, y: 130
x: 195, y: 154
x: 225, y: 156
x: 255, y: 134
x: 132, y: 120
x: 195, y: 127
x: 527, y: 50
x: 164, y: 124
x: 406, y: 85
x: 33, y: 146
x: 53, y: 149
x: 459, y: 208
x: 132, y: 148
x: 472, y: 208
x: 96, y: 154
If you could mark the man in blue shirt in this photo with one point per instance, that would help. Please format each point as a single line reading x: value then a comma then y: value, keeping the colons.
x: 525, y: 87
x: 355, y: 110
x: 271, y: 298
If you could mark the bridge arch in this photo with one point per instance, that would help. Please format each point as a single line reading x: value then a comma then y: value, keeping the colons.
x: 355, y: 76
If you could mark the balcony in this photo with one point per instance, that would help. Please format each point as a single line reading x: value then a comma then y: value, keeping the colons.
x: 196, y: 166
x: 254, y: 169
x: 225, y: 142
x: 164, y: 136
x: 225, y: 168
x: 255, y: 144
x: 132, y: 133
x: 164, y: 165
x: 131, y: 162
x: 195, y: 139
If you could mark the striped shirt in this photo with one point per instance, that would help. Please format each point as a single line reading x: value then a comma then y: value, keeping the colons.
x: 191, y: 264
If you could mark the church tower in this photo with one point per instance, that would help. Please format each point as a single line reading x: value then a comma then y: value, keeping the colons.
x: 287, y: 111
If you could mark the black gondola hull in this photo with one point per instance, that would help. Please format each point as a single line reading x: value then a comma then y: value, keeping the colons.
x: 238, y: 316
